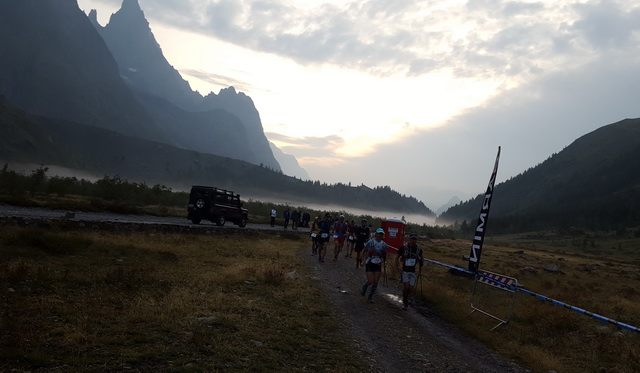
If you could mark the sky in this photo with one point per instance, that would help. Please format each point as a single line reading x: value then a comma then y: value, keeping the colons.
x: 415, y: 95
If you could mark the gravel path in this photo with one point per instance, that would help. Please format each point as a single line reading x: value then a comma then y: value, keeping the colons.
x: 393, y: 340
x: 35, y: 213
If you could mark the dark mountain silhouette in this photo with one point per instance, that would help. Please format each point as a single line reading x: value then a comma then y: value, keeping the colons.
x: 593, y: 183
x: 140, y: 58
x: 451, y: 202
x: 214, y: 132
x: 205, y: 124
x: 289, y: 162
x: 28, y: 139
x: 64, y: 103
x: 53, y: 63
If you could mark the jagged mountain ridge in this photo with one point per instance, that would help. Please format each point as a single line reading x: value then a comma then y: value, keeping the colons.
x: 139, y: 56
x: 54, y: 64
x: 148, y: 73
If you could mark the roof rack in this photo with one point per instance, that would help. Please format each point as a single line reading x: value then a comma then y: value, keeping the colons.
x: 216, y: 189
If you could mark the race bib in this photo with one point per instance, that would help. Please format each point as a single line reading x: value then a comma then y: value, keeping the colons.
x: 410, y: 262
x: 324, y: 235
x: 376, y: 260
x: 314, y: 235
x: 335, y: 236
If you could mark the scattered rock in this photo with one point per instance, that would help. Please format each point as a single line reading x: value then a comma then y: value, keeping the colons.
x: 552, y: 268
x: 292, y: 275
x: 520, y: 252
x: 207, y: 320
x: 528, y: 270
x: 257, y: 343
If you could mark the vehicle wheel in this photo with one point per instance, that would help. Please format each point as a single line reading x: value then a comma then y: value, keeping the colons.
x: 200, y: 204
x: 196, y: 220
x: 243, y: 222
x: 221, y: 220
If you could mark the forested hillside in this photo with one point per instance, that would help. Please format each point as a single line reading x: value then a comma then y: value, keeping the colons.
x: 593, y: 183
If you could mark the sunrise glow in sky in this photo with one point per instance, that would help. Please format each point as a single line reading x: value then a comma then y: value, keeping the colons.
x: 412, y: 94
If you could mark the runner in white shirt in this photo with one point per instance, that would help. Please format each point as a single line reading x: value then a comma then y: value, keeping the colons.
x: 375, y: 256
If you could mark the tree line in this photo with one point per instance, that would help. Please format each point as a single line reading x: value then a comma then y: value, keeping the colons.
x: 115, y: 194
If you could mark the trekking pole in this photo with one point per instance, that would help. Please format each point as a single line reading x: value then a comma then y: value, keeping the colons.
x: 420, y: 279
x: 385, y: 281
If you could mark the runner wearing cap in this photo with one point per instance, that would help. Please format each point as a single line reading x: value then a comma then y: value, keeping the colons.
x: 409, y: 255
x: 375, y: 255
x: 363, y: 234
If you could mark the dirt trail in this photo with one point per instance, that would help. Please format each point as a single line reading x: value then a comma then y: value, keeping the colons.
x: 393, y: 340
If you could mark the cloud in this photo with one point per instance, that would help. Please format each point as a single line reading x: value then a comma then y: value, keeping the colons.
x: 485, y: 39
x: 309, y: 148
x: 530, y: 123
x: 219, y: 80
x: 499, y: 40
x: 607, y: 25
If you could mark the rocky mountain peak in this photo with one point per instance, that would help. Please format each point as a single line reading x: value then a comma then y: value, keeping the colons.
x: 131, y: 6
x: 93, y: 17
x: 145, y: 69
x: 231, y: 91
x: 129, y: 17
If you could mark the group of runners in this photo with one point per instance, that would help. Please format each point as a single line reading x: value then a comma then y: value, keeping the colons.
x: 371, y: 252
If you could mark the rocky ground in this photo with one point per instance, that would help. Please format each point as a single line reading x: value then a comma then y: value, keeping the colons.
x: 393, y: 340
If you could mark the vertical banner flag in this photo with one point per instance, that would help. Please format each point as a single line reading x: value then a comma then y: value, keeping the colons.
x: 481, y: 227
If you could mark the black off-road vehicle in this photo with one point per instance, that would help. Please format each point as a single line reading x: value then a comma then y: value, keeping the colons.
x: 216, y: 205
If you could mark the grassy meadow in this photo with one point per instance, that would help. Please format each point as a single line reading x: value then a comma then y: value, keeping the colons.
x: 152, y: 301
x: 598, y: 273
x: 103, y: 301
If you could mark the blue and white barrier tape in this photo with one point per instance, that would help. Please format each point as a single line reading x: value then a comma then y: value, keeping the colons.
x: 542, y: 297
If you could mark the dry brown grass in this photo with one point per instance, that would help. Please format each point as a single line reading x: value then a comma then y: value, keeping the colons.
x: 604, y: 280
x: 155, y: 302
x: 96, y: 301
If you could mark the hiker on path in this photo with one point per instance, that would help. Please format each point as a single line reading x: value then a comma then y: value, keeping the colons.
x: 286, y: 215
x: 410, y: 255
x: 375, y: 257
x: 325, y: 229
x: 295, y: 219
x: 273, y: 217
x: 363, y: 234
x: 305, y: 219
